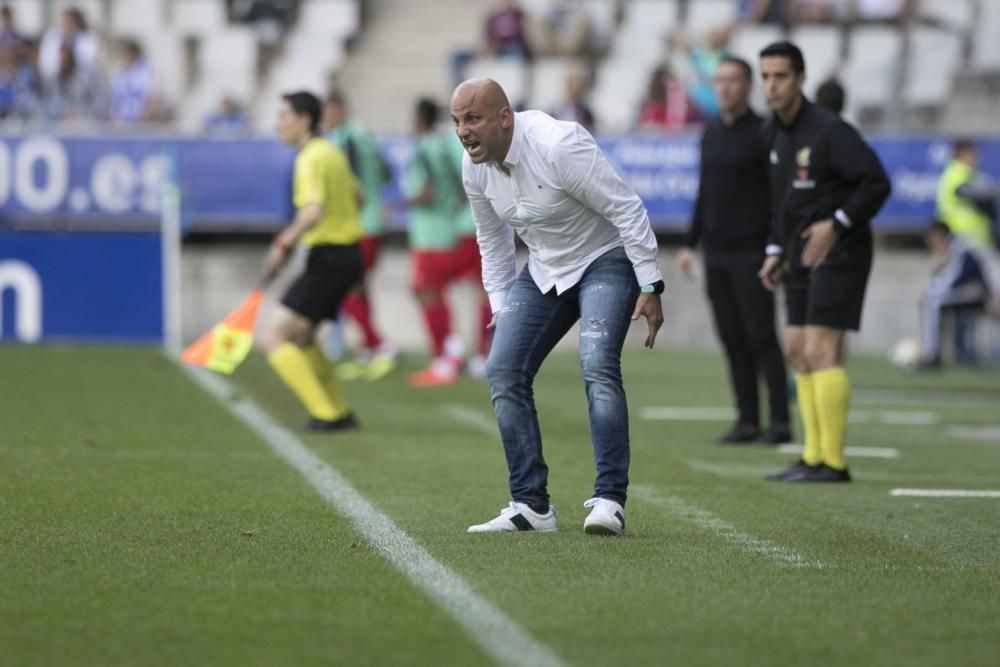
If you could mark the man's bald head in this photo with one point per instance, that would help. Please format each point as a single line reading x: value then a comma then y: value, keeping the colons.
x: 483, y: 119
x: 487, y: 92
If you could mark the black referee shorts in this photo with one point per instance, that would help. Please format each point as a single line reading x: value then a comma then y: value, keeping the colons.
x: 331, y: 272
x: 833, y: 293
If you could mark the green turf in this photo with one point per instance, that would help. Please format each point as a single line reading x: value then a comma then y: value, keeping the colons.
x: 141, y: 524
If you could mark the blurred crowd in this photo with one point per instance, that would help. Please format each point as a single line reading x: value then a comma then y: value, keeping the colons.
x: 679, y: 92
x: 61, y: 75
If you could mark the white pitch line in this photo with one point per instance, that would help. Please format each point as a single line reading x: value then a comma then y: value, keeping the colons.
x: 503, y: 639
x: 703, y: 413
x: 471, y: 417
x: 944, y: 493
x: 705, y: 519
x: 860, y: 452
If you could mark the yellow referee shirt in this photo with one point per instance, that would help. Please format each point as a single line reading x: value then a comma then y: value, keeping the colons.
x: 323, y: 176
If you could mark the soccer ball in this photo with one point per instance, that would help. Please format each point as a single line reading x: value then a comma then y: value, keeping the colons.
x: 905, y: 353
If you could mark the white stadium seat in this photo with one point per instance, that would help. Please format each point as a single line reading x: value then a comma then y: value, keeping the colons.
x: 872, y: 68
x: 548, y: 83
x: 656, y: 17
x: 137, y: 18
x: 199, y: 17
x: 822, y: 49
x: 618, y: 93
x: 933, y: 62
x: 951, y: 14
x: 30, y: 16
x: 986, y: 44
x: 705, y: 15
x: 510, y: 73
x: 341, y: 18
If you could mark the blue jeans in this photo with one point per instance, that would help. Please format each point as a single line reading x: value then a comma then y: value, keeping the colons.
x: 530, y: 325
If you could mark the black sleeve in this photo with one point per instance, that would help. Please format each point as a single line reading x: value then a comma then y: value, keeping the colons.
x: 853, y: 161
x: 696, y: 227
x: 352, y: 156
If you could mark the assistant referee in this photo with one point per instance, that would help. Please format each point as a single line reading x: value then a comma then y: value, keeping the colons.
x: 826, y: 186
x: 326, y: 197
x: 732, y: 221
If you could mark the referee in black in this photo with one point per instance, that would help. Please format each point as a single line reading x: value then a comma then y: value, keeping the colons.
x: 826, y: 186
x: 732, y: 221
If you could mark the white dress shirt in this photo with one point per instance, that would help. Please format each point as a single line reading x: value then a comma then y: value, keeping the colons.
x: 565, y: 202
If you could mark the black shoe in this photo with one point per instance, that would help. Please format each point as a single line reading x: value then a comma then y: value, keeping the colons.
x: 823, y: 473
x: 776, y: 435
x: 797, y: 469
x: 346, y: 423
x: 739, y: 434
x: 931, y: 365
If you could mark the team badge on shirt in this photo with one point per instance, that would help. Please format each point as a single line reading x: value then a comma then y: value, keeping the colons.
x: 802, y: 181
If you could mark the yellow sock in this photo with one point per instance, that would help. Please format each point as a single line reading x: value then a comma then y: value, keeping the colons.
x: 292, y: 366
x: 805, y: 390
x: 323, y: 368
x: 832, y: 391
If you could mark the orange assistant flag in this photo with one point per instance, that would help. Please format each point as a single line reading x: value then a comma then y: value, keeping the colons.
x: 228, y: 343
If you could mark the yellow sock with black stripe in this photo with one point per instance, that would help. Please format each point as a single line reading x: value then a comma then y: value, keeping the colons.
x: 293, y: 367
x: 832, y: 391
x: 323, y: 368
x: 805, y: 391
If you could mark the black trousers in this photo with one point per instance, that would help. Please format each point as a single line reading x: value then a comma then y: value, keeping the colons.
x: 744, y: 321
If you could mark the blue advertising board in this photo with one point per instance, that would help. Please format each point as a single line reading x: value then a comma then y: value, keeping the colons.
x: 80, y: 286
x: 90, y: 183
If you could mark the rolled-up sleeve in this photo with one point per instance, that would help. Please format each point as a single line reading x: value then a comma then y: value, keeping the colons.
x: 589, y: 178
x: 495, y: 239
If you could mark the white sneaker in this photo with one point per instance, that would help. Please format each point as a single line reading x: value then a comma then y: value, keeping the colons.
x: 475, y: 367
x: 606, y: 517
x: 519, y: 517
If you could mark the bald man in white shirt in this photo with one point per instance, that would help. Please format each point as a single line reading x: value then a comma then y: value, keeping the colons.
x: 592, y: 257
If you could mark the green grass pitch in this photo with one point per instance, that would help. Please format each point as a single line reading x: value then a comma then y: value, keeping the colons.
x: 142, y: 524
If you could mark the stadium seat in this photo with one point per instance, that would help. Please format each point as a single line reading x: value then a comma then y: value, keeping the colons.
x: 655, y: 17
x: 137, y: 18
x: 228, y: 61
x: 199, y: 17
x: 510, y: 73
x: 986, y: 45
x: 618, y: 94
x: 871, y: 73
x: 165, y: 51
x: 951, y: 14
x: 822, y: 48
x: 706, y: 15
x: 639, y: 48
x: 548, y: 83
x: 30, y: 16
x: 933, y: 62
x: 602, y: 22
x: 339, y: 18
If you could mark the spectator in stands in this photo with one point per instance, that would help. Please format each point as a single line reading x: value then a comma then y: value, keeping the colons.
x: 813, y: 11
x: 268, y: 17
x: 135, y: 97
x: 72, y: 30
x: 573, y: 107
x: 704, y: 53
x: 18, y: 83
x: 504, y: 31
x: 762, y: 11
x: 966, y: 199
x: 377, y: 357
x: 9, y: 36
x: 959, y: 287
x: 831, y: 95
x: 229, y: 120
x: 667, y: 106
x: 881, y: 10
x: 563, y: 30
x: 76, y: 94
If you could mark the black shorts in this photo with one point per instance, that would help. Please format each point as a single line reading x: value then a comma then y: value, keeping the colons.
x: 331, y: 272
x: 832, y: 294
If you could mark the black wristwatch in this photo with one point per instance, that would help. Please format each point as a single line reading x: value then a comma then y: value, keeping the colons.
x: 653, y: 288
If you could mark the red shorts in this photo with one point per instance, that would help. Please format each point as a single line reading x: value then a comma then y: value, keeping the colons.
x: 369, y: 251
x: 465, y: 260
x: 431, y: 269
